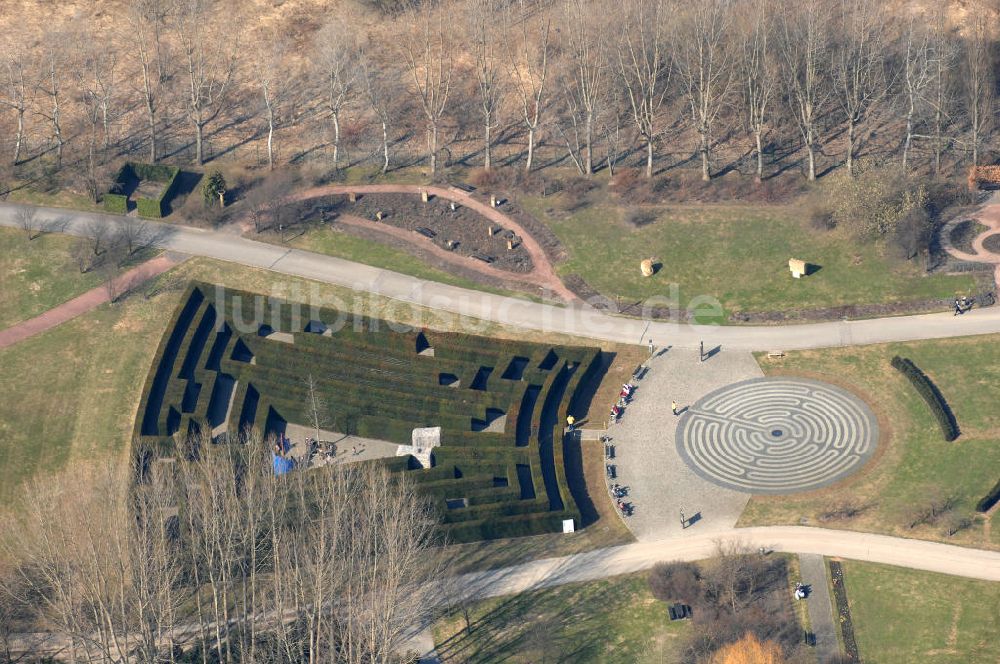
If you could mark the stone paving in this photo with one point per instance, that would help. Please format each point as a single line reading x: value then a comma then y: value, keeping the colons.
x: 777, y: 435
x: 812, y: 567
x: 660, y: 483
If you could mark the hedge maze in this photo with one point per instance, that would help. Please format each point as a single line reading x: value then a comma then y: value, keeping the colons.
x: 127, y: 181
x: 231, y: 360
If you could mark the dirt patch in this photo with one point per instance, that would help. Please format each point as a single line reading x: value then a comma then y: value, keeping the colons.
x: 461, y: 230
x: 853, y: 311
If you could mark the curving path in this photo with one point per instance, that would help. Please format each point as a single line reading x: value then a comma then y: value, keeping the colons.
x: 543, y: 274
x: 989, y: 216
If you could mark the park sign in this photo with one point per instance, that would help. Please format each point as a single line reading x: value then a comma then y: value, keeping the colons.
x: 797, y: 267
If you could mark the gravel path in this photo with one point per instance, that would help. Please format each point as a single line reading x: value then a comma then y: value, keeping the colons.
x: 813, y: 570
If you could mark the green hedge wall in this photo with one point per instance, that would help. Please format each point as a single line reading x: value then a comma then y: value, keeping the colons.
x: 115, y: 203
x: 931, y: 394
x: 990, y: 499
x: 154, y: 207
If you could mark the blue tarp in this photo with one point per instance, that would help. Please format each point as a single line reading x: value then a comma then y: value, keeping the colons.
x: 282, y: 465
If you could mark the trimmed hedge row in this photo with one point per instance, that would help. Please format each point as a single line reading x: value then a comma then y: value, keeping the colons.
x: 931, y: 394
x: 115, y: 203
x: 987, y: 502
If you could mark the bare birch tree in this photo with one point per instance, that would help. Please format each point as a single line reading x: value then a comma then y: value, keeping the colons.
x: 979, y: 80
x: 210, y: 38
x: 377, y: 93
x: 483, y: 29
x: 51, y: 86
x: 757, y: 69
x: 947, y: 54
x: 272, y: 80
x: 644, y: 65
x: 142, y: 30
x: 919, y: 69
x: 804, y: 46
x: 16, y: 92
x: 704, y: 65
x: 527, y: 58
x: 428, y: 54
x: 337, y: 50
x: 584, y: 78
x: 859, y: 74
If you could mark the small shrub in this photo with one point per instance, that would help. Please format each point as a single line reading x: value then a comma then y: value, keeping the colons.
x: 116, y: 203
x: 820, y: 217
x: 638, y: 217
x: 214, y: 189
x: 931, y: 394
x: 987, y: 502
x: 676, y: 582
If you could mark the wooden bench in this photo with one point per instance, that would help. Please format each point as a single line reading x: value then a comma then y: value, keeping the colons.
x: 775, y: 354
x: 427, y: 233
x: 482, y: 257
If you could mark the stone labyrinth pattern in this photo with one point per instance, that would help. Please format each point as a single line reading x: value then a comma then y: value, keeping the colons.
x: 777, y: 435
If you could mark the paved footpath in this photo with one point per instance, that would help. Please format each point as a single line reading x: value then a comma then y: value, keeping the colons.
x: 90, y: 300
x: 578, y: 320
x: 813, y: 570
x: 602, y: 563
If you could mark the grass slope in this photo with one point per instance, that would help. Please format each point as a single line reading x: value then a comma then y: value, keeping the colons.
x: 914, y: 462
x: 36, y: 276
x: 737, y: 254
x: 903, y: 615
x: 608, y: 621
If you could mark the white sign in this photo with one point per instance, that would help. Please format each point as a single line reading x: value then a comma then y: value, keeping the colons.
x: 568, y: 525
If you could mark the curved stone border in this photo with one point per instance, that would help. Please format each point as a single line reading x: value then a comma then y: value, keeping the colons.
x: 777, y: 435
x: 987, y: 215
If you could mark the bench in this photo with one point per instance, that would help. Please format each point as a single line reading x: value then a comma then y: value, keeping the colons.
x: 467, y: 188
x: 775, y: 354
x: 482, y: 257
x: 427, y: 233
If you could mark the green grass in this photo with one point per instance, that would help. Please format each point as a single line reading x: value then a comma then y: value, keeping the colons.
x: 605, y: 622
x: 737, y: 254
x: 37, y: 275
x: 905, y: 615
x: 913, y: 461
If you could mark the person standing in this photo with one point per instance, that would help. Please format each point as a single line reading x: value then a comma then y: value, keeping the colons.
x: 673, y: 407
x: 570, y: 421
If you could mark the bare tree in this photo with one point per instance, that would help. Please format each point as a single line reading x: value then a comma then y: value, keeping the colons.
x: 946, y: 51
x: 15, y: 90
x: 51, y: 85
x: 859, y: 75
x: 97, y: 232
x: 757, y: 71
x: 527, y: 57
x: 979, y: 80
x: 210, y: 38
x: 803, y: 44
x: 644, y: 66
x: 376, y: 86
x: 427, y: 51
x: 705, y: 69
x: 316, y: 406
x: 919, y: 67
x: 133, y: 234
x: 337, y: 51
x: 584, y: 78
x: 27, y: 220
x: 142, y: 31
x: 271, y: 79
x: 485, y: 41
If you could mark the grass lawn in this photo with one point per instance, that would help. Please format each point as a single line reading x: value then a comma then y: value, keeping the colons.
x: 608, y: 621
x: 913, y: 461
x: 58, y: 198
x: 37, y: 275
x: 737, y: 254
x: 903, y: 615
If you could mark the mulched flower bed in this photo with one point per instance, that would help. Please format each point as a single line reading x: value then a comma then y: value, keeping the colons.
x: 462, y: 226
x: 992, y: 244
x: 844, y: 611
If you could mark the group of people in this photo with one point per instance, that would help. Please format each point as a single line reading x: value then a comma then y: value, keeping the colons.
x: 624, y: 397
x: 962, y: 304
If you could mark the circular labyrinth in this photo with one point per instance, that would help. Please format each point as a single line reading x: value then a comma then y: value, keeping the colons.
x: 777, y: 435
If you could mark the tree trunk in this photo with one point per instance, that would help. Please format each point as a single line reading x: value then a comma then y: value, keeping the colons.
x: 706, y: 173
x: 336, y: 140
x: 649, y: 157
x: 434, y: 147
x: 270, y: 138
x: 760, y: 156
x: 531, y: 149
x: 588, y: 164
x: 909, y: 134
x: 850, y: 146
x: 488, y: 157
x: 20, y: 136
x: 198, y: 132
x: 812, y: 155
x: 385, y: 148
